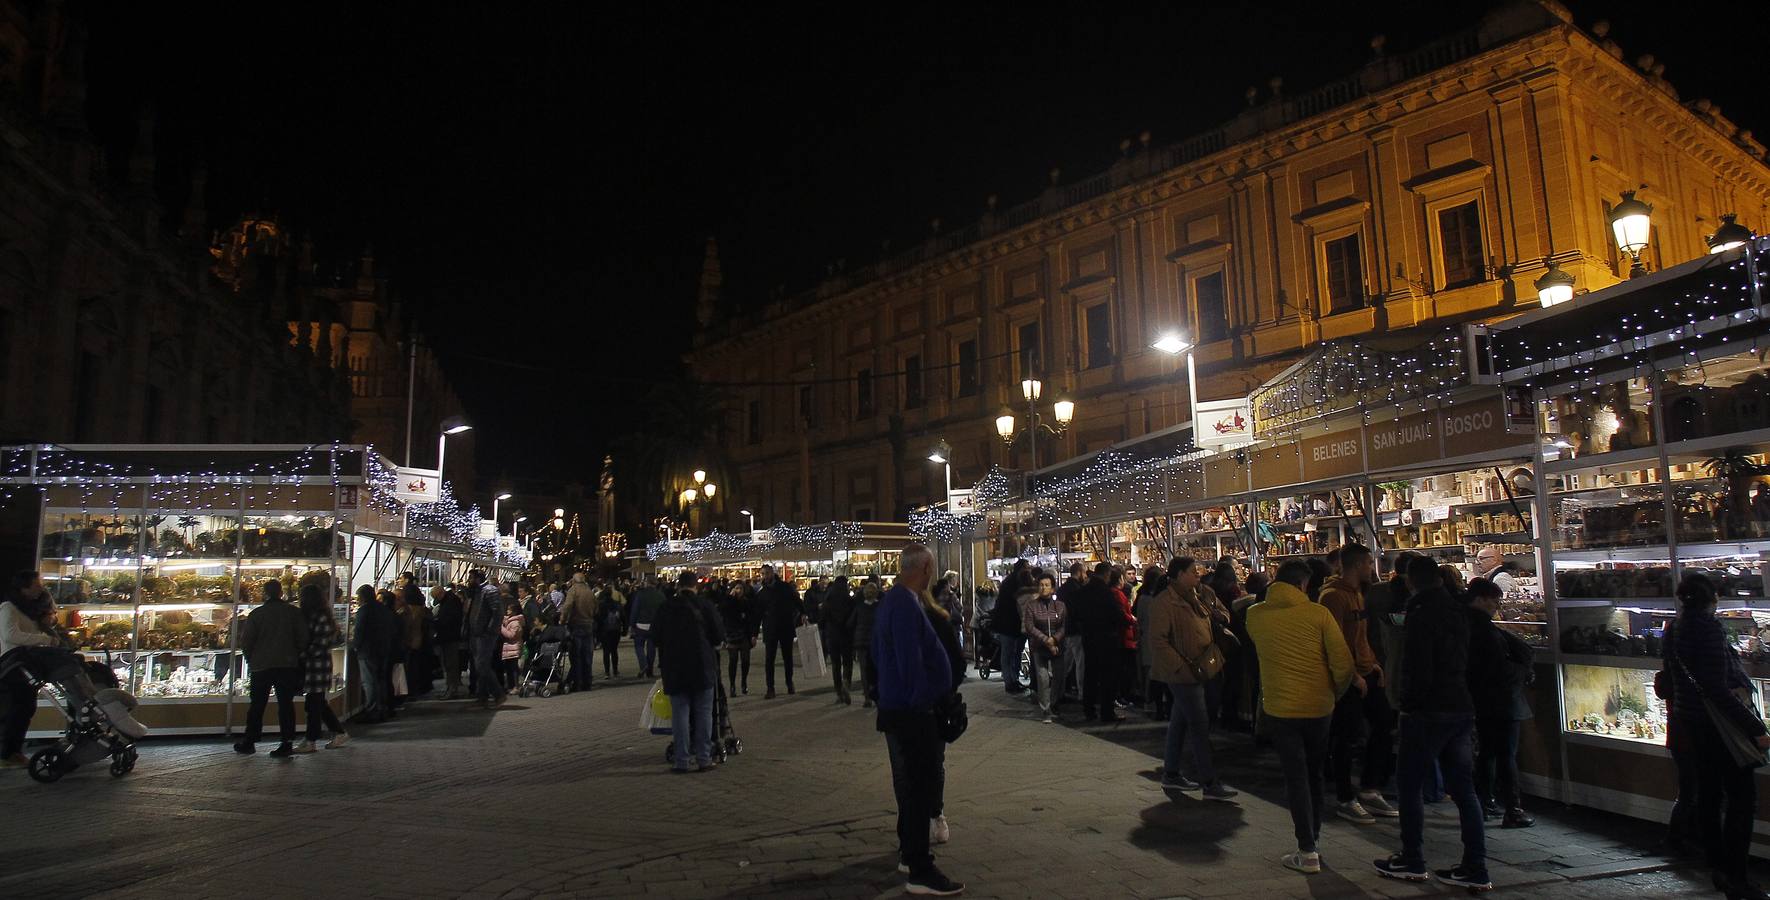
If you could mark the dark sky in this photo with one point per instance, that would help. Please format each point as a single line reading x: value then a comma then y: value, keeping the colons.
x: 540, y: 178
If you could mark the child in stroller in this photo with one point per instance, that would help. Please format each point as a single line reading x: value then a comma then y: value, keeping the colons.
x: 87, y: 695
x: 549, y: 661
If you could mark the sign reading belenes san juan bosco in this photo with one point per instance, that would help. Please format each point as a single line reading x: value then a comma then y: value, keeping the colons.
x: 1454, y: 430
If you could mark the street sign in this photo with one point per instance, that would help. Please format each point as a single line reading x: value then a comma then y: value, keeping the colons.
x: 961, y: 502
x: 417, y: 485
x: 1222, y: 423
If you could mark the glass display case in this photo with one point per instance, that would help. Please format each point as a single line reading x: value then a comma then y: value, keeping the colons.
x: 1306, y: 525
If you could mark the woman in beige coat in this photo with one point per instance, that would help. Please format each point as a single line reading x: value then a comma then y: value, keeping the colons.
x: 1185, y: 656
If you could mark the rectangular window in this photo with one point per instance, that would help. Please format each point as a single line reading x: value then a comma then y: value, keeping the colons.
x: 1345, y: 273
x: 863, y: 394
x: 1026, y: 353
x: 912, y: 382
x: 85, y: 403
x: 755, y: 424
x: 805, y: 413
x: 1212, y: 311
x: 1097, y: 322
x: 1459, y: 239
x: 969, y: 383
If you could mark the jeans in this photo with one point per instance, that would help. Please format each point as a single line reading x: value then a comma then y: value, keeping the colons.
x: 1447, y: 741
x: 1189, y: 724
x: 486, y: 650
x: 841, y: 667
x: 691, y: 726
x: 917, y: 779
x: 319, y: 713
x: 1361, y: 735
x: 583, y: 657
x: 644, y: 650
x: 1726, y: 799
x: 1008, y: 650
x: 775, y: 639
x: 1045, y: 678
x: 1302, y: 747
x: 287, y: 683
x: 1072, y: 662
x: 377, y: 699
x: 451, y: 663
x: 737, y: 661
x: 1496, y: 762
x: 21, y: 705
x: 1100, y: 688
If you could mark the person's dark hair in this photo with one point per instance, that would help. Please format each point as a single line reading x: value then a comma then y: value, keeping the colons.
x: 1403, y: 561
x: 688, y: 579
x: 1075, y: 568
x: 365, y: 593
x: 410, y: 576
x: 1258, y: 582
x: 1103, y: 569
x: 1039, y: 574
x: 1696, y: 592
x: 1181, y: 564
x: 1294, y: 572
x: 1422, y: 573
x: 1154, y: 580
x: 385, y: 598
x: 33, y: 607
x: 1481, y: 588
x: 1115, y: 576
x: 1318, y: 575
x: 1353, y: 555
x: 1333, y: 556
x: 273, y: 590
x: 512, y: 608
x: 313, y: 603
x: 475, y: 576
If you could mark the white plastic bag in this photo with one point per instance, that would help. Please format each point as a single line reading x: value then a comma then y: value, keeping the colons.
x: 809, y: 644
x: 654, y: 714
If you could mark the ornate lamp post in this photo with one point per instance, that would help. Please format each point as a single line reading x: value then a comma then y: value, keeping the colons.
x: 1063, y: 411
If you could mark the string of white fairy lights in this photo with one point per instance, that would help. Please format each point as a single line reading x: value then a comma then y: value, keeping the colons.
x: 719, y: 545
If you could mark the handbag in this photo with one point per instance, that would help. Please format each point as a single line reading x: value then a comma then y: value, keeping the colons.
x: 399, y: 680
x: 951, y: 716
x: 1742, y: 747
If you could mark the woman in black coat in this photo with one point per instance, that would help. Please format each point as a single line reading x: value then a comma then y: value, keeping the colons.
x: 837, y: 627
x: 688, y: 631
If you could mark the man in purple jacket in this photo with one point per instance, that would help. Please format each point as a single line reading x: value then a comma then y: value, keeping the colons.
x: 914, y: 674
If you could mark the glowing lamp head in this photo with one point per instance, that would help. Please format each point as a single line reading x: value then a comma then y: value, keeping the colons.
x: 1631, y: 221
x: 455, y: 425
x: 745, y: 512
x: 1031, y: 388
x: 1064, y: 410
x: 1555, y: 286
x: 503, y: 496
x: 689, y: 495
x: 521, y: 519
x: 1731, y: 234
x: 1171, y: 344
x: 710, y: 489
x: 700, y: 476
x: 941, y: 453
x: 1005, y: 425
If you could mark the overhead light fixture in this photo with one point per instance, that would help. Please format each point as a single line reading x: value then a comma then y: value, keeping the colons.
x: 1731, y: 234
x: 700, y: 476
x: 503, y: 496
x: 1005, y: 426
x: 1631, y: 221
x: 942, y: 452
x: 1172, y: 344
x: 1064, y: 410
x: 1554, y: 287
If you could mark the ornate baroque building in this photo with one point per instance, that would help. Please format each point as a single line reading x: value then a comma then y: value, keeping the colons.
x: 1428, y: 188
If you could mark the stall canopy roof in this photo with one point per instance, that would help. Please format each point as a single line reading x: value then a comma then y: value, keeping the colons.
x: 218, y: 463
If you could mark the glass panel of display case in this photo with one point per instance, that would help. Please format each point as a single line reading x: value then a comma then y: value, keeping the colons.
x: 1644, y: 578
x: 91, y: 558
x: 1615, y: 702
x: 1723, y: 495
x: 1601, y: 518
x: 294, y: 537
x: 1718, y: 397
x: 184, y: 650
x: 1738, y: 576
x: 1455, y: 516
x: 1602, y: 419
x: 1603, y: 629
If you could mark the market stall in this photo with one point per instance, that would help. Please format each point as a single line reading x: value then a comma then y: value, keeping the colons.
x: 798, y: 553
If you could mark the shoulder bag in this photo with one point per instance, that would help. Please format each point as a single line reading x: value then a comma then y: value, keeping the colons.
x: 951, y: 717
x: 1742, y: 747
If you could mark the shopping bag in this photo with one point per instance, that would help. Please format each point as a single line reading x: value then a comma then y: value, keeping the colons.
x: 809, y: 644
x: 654, y: 716
x: 399, y: 680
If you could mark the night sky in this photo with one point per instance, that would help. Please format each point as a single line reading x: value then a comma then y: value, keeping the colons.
x: 540, y: 179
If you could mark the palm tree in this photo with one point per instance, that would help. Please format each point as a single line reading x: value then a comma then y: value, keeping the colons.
x: 1738, y: 467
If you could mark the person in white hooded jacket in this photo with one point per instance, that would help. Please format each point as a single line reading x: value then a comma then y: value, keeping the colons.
x: 23, y: 615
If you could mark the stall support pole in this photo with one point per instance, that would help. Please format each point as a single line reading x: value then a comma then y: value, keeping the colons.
x: 1545, y: 577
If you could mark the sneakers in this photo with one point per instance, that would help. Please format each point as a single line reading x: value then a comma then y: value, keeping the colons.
x: 1463, y: 877
x: 1517, y: 818
x: 283, y: 751
x: 1307, y: 863
x: 1353, y: 811
x: 933, y: 884
x: 305, y: 746
x: 938, y: 832
x: 1219, y: 791
x: 338, y: 740
x: 1394, y: 867
x: 1375, y: 804
x: 245, y: 748
x: 1179, y: 783
x: 1050, y: 719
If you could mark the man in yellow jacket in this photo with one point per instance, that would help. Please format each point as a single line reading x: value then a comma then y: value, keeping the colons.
x: 1304, y: 667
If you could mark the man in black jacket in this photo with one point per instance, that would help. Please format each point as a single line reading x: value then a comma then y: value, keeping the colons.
x: 783, y: 612
x: 1437, y: 724
x: 1096, y: 611
x: 1499, y: 670
x: 448, y: 638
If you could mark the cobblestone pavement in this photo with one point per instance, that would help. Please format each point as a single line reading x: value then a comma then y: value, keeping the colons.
x: 565, y: 797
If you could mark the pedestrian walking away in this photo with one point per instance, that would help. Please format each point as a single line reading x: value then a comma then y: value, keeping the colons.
x: 450, y: 628
x: 609, y: 623
x: 914, y: 675
x: 688, y: 632
x: 274, y: 639
x: 1304, y: 668
x: 1500, y: 669
x: 485, y: 622
x: 837, y: 629
x: 316, y: 667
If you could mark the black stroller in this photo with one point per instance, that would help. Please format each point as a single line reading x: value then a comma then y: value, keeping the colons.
x: 87, y: 695
x: 724, y: 742
x: 549, y: 662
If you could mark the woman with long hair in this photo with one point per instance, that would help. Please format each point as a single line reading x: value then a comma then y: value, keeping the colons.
x: 27, y: 619
x: 1155, y: 693
x: 1182, y: 626
x: 938, y: 832
x: 316, y: 666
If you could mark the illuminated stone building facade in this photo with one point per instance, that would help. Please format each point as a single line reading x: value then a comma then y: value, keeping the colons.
x: 1430, y: 187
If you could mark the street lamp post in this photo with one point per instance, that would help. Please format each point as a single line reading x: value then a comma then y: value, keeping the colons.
x: 942, y: 454
x: 1173, y: 344
x: 450, y: 426
x: 752, y: 516
x: 495, y: 501
x: 1063, y: 411
x: 1631, y: 221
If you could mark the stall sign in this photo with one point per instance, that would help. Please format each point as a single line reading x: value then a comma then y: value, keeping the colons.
x: 347, y: 497
x: 961, y: 502
x: 1435, y: 514
x: 1223, y: 423
x: 1274, y: 466
x: 488, y: 530
x: 417, y: 486
x: 1333, y: 455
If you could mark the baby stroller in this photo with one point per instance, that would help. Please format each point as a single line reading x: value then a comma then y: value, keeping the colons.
x: 984, y: 647
x: 87, y: 695
x: 549, y: 660
x: 724, y: 741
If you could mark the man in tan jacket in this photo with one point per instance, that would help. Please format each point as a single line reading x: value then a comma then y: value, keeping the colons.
x: 1359, y: 714
x: 1184, y: 654
x: 579, y: 617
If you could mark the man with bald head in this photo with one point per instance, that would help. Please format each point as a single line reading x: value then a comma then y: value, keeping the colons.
x: 913, y: 675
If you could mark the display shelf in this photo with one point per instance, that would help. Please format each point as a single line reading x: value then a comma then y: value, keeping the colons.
x: 1695, y: 447
x: 1610, y: 660
x: 1617, y: 742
